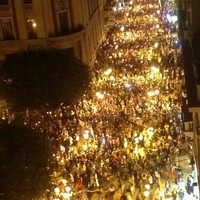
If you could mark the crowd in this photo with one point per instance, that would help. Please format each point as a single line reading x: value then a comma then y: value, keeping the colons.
x: 130, y: 124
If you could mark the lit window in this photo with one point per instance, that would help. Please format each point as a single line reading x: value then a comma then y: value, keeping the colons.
x: 4, y: 2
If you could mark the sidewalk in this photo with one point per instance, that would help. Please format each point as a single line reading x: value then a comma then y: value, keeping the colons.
x: 183, y: 161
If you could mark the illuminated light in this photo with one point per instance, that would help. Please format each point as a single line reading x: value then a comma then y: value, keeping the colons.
x: 34, y: 24
x: 116, y: 46
x: 122, y: 28
x: 155, y: 69
x: 64, y: 181
x: 62, y: 149
x: 57, y: 190
x: 112, y: 78
x: 146, y: 193
x: 99, y: 95
x: 77, y: 138
x: 107, y: 72
x: 136, y: 140
x: 127, y: 14
x: 135, y: 134
x: 147, y: 186
x: 157, y: 26
x: 151, y: 76
x: 125, y: 143
x: 58, y: 157
x: 150, y: 93
x: 141, y: 137
x: 158, y: 12
x: 86, y: 134
x: 131, y: 2
x: 127, y: 85
x: 156, y: 92
x: 156, y: 45
x: 114, y: 9
x: 174, y: 19
x: 68, y: 189
x: 153, y: 93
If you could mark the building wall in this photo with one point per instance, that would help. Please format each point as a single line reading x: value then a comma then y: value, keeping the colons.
x: 196, y: 130
x: 76, y: 24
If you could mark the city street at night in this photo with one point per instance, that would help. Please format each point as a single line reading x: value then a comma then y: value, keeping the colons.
x: 124, y: 139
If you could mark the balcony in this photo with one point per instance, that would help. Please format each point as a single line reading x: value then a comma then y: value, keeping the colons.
x: 61, y: 42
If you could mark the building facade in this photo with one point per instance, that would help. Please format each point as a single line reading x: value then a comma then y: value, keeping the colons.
x: 190, y: 25
x: 75, y: 25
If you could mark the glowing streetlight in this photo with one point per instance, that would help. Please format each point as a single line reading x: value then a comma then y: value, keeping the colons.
x: 122, y: 28
x: 34, y: 24
x: 157, y: 26
x: 155, y: 69
x: 107, y: 72
x: 86, y: 134
x: 150, y: 93
x: 57, y: 191
x: 146, y: 193
x: 127, y: 85
x: 156, y: 45
x: 141, y: 137
x: 153, y: 93
x: 68, y: 189
x: 99, y: 95
x: 147, y: 186
x: 156, y: 92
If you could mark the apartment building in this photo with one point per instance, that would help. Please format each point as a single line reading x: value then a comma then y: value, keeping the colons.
x: 73, y: 25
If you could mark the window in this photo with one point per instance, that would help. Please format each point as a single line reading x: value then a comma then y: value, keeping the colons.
x: 64, y: 22
x: 6, y: 29
x: 31, y: 28
x: 4, y: 2
x: 27, y: 1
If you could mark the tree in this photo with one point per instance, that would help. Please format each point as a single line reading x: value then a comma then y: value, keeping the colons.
x: 25, y: 158
x: 36, y: 78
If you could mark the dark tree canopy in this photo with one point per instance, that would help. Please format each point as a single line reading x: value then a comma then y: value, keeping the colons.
x: 35, y: 78
x: 24, y: 163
